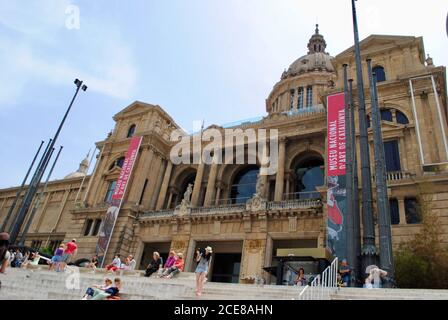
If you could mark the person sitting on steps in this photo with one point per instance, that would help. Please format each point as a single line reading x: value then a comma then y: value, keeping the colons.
x: 178, y: 267
x: 155, y: 265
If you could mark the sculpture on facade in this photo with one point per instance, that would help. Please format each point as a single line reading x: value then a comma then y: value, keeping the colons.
x: 185, y: 205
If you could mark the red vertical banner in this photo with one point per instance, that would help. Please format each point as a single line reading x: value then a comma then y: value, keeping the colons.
x: 336, y: 178
x: 108, y: 224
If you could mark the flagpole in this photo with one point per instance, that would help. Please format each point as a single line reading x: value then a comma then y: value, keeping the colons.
x: 351, y: 255
x: 355, y: 203
x: 11, y: 209
x: 39, y: 199
x: 84, y: 178
x: 385, y: 243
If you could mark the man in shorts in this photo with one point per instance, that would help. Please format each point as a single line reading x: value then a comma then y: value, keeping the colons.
x: 70, y: 250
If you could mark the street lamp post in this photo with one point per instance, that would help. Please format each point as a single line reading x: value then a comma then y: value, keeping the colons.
x: 369, y: 250
x: 351, y: 255
x: 21, y: 215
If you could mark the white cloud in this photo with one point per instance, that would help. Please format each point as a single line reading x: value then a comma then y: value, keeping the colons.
x: 36, y: 45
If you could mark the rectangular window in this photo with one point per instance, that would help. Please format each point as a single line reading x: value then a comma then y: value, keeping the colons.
x: 110, y: 191
x: 96, y: 227
x: 291, y: 101
x: 300, y: 98
x: 412, y: 211
x: 87, y: 227
x: 394, y: 211
x: 392, y: 155
x: 309, y: 96
x: 36, y: 244
x: 54, y: 244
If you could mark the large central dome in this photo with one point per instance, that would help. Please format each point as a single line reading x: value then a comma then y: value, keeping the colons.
x: 316, y: 59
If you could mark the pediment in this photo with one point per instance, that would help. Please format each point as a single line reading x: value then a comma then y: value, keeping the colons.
x: 380, y: 42
x: 135, y: 108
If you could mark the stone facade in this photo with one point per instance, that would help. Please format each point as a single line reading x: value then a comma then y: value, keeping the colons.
x: 151, y: 217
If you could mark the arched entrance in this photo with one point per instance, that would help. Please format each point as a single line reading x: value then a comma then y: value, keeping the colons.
x: 308, y: 175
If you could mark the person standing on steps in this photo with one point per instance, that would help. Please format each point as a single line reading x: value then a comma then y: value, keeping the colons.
x: 71, y: 248
x: 203, y: 258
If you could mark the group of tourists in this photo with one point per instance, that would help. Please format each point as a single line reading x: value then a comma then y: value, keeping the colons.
x: 107, y: 291
x: 117, y: 264
x: 63, y: 255
x: 373, y: 280
x: 173, y: 266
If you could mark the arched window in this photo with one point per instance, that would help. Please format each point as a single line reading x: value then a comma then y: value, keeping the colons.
x: 386, y: 115
x: 131, y: 131
x: 309, y: 175
x: 244, y: 184
x: 401, y: 118
x: 190, y: 179
x: 380, y: 73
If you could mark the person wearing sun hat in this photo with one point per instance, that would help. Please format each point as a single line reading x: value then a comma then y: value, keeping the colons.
x: 203, y: 258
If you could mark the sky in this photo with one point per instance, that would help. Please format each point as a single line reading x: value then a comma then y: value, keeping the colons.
x: 211, y: 60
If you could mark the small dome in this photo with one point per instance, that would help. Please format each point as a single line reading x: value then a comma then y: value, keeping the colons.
x: 316, y: 59
x: 75, y: 174
x: 82, y: 170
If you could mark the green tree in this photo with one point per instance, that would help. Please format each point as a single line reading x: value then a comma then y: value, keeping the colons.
x: 422, y: 262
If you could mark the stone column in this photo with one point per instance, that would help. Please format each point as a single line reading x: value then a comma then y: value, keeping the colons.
x: 164, y: 188
x: 265, y: 166
x: 170, y: 198
x: 197, y: 185
x: 403, y: 154
x: 279, y: 181
x: 402, y: 211
x: 159, y: 182
x: 211, y: 188
x: 295, y: 101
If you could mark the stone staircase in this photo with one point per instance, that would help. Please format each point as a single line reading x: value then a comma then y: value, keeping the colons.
x: 42, y: 284
x: 389, y: 294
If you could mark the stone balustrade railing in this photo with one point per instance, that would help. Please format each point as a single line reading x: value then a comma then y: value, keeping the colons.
x: 397, y: 175
x: 239, y: 208
x: 295, y: 204
x: 160, y: 213
x: 220, y: 209
x: 306, y: 111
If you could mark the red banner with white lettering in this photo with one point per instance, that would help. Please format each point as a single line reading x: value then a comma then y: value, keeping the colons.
x: 336, y: 178
x: 108, y: 224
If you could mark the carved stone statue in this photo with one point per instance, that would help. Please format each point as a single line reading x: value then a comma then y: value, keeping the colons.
x: 188, y: 192
x: 260, y: 187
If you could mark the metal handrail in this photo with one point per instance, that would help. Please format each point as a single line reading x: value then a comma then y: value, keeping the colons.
x: 323, y: 285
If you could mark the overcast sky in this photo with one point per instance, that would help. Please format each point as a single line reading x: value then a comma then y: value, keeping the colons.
x: 215, y: 60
